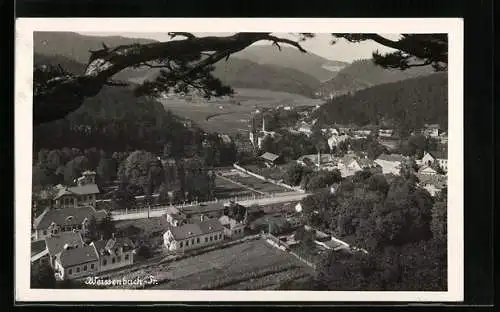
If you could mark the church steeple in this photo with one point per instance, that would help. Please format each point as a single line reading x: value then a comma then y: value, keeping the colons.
x: 263, y: 124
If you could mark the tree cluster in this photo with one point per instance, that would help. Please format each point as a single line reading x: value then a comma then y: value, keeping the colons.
x: 400, y: 225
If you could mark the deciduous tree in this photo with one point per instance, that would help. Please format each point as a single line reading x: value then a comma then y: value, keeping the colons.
x: 42, y: 276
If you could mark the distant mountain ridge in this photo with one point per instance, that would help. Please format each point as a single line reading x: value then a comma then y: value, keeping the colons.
x: 71, y: 49
x: 309, y: 63
x: 362, y: 74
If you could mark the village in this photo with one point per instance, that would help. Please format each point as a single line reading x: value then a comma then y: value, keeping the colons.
x: 65, y: 235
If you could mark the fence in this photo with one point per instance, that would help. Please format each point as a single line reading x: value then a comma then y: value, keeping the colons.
x: 277, y: 243
x: 160, y: 207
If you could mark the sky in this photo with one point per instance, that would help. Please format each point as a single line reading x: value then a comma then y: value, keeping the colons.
x: 320, y: 45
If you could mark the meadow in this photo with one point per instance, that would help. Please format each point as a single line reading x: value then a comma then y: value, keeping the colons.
x: 231, y: 116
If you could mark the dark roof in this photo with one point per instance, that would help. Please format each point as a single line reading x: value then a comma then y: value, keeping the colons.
x: 269, y: 156
x: 196, y: 229
x: 100, y: 245
x: 432, y: 126
x: 80, y: 255
x: 67, y: 216
x: 37, y: 247
x: 120, y: 242
x: 86, y: 189
x: 55, y: 244
x: 210, y: 226
x: 103, y: 246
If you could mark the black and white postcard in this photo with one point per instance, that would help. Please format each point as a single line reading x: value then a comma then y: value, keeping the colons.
x: 200, y: 159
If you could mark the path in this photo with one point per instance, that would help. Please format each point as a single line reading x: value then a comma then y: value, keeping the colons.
x: 241, y: 184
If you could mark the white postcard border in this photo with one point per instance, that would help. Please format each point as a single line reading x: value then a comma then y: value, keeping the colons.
x: 23, y: 149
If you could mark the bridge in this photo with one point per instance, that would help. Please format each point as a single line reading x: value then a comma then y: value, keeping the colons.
x: 158, y: 211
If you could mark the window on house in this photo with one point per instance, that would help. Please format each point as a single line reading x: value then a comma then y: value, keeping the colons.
x: 85, y: 267
x: 92, y: 266
x: 44, y: 232
x: 180, y: 244
x: 104, y: 262
x: 198, y: 240
x: 211, y: 238
x: 192, y: 241
x: 113, y: 260
x: 206, y: 239
x: 70, y: 271
x: 187, y: 243
x: 78, y: 270
x: 126, y: 257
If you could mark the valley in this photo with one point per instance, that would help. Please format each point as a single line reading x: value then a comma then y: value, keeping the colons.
x: 231, y: 116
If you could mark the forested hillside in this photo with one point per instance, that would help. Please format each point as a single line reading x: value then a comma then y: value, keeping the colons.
x: 409, y: 104
x: 113, y: 120
x: 363, y: 74
x: 240, y: 73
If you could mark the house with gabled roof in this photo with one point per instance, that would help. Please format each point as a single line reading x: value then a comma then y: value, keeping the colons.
x: 436, y: 157
x: 390, y: 163
x: 432, y: 183
x: 55, y: 243
x: 232, y: 228
x: 270, y: 159
x: 76, y: 262
x: 83, y: 194
x: 426, y: 170
x: 194, y: 235
x: 432, y: 130
x: 114, y: 253
x: 55, y: 221
x: 39, y: 252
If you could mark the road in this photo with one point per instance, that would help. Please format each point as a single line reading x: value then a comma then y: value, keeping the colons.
x: 158, y: 212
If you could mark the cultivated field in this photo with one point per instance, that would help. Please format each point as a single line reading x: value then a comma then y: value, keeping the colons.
x: 227, y: 189
x: 257, y: 184
x: 245, y: 266
x: 232, y: 116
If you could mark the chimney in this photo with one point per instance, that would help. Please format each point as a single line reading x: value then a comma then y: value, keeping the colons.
x: 263, y: 124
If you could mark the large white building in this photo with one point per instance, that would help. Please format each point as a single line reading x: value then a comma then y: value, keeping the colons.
x: 192, y: 236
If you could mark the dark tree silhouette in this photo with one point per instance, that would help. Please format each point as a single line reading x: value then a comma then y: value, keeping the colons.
x: 187, y: 64
x: 413, y: 50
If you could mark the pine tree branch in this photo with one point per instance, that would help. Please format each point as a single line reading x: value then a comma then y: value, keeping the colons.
x: 62, y: 95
